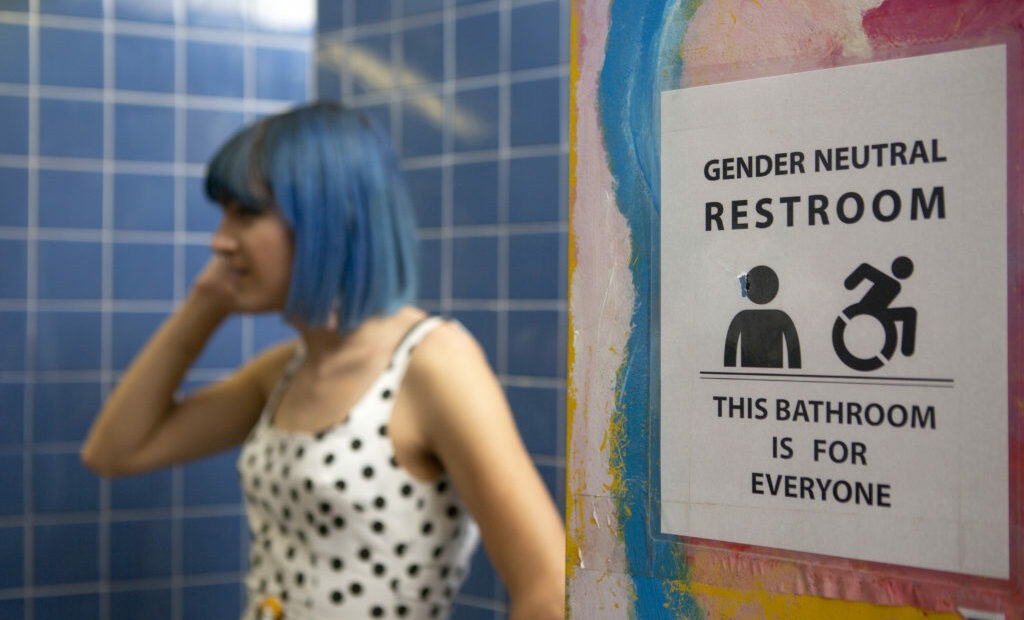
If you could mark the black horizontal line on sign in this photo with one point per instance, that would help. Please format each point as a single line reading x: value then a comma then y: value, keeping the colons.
x: 808, y: 378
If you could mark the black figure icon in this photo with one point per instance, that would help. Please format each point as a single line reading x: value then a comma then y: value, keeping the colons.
x: 875, y: 304
x: 763, y: 337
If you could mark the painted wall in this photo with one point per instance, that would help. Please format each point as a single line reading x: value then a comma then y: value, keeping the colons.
x: 624, y: 54
x: 110, y: 109
x: 475, y: 96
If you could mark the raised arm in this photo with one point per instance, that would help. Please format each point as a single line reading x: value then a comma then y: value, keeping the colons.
x: 142, y: 427
x: 470, y: 427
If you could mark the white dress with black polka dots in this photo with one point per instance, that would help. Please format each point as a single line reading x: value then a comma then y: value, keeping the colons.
x: 339, y: 530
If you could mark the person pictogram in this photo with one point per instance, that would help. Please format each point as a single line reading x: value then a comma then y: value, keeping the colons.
x: 876, y: 304
x: 765, y: 338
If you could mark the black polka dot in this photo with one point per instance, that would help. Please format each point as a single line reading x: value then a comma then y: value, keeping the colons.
x: 402, y: 611
x: 290, y: 554
x: 393, y: 462
x: 394, y: 585
x: 367, y: 472
x: 400, y: 549
x: 442, y: 486
x: 325, y: 507
x: 299, y: 579
x: 319, y: 436
x: 286, y: 470
x: 337, y: 563
x: 413, y: 570
x: 301, y: 451
x: 377, y: 612
x: 378, y: 527
x: 406, y: 490
x: 274, y: 489
x: 383, y: 430
x: 364, y: 553
x: 308, y: 484
x: 424, y: 594
x: 284, y: 595
x: 310, y: 519
x: 438, y: 552
x: 379, y: 569
x: 337, y: 597
x: 324, y: 530
x: 256, y: 482
x: 339, y: 522
x: 435, y: 611
x: 286, y: 513
x: 386, y: 394
x: 427, y: 528
x: 453, y: 512
x: 340, y: 485
x: 357, y: 444
x: 295, y: 495
x: 379, y: 503
x: 355, y: 588
x: 329, y: 458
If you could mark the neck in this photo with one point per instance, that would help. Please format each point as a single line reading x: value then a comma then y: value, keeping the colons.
x: 324, y: 341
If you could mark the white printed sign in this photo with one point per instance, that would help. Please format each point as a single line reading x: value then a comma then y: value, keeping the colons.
x: 834, y: 312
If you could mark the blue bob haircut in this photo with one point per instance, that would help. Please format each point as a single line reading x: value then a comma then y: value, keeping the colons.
x: 334, y: 178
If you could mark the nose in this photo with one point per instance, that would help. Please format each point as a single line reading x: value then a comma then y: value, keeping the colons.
x: 223, y: 241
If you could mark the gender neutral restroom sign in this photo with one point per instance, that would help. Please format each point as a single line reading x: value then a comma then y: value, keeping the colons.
x: 834, y: 312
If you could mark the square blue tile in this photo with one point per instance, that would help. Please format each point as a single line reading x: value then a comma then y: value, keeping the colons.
x: 535, y: 270
x: 534, y: 188
x: 12, y: 550
x: 143, y: 133
x: 423, y: 54
x: 483, y: 324
x: 148, y: 604
x: 421, y: 133
x: 144, y: 492
x: 77, y: 606
x: 536, y: 36
x: 536, y: 112
x: 270, y: 329
x: 144, y: 63
x: 143, y: 271
x: 330, y: 15
x: 425, y: 190
x: 70, y: 58
x: 154, y: 11
x: 14, y: 129
x: 12, y: 353
x: 215, y: 69
x: 70, y: 128
x: 13, y: 608
x: 131, y: 331
x: 207, y: 130
x: 61, y: 484
x: 13, y: 59
x: 212, y: 481
x: 213, y: 601
x: 429, y: 272
x: 66, y: 554
x: 70, y: 270
x: 475, y: 267
x: 475, y: 193
x: 537, y: 416
x: 68, y: 341
x: 14, y: 182
x: 64, y: 411
x: 12, y: 480
x: 212, y: 545
x: 533, y: 337
x: 70, y: 199
x: 478, y: 110
x: 477, y: 40
x: 143, y: 202
x: 379, y: 115
x: 140, y: 549
x: 419, y: 7
x: 12, y: 407
x: 220, y: 14
x: 483, y: 580
x: 328, y: 80
x: 14, y: 275
x: 73, y: 8
x: 282, y: 74
x: 371, y: 11
x: 201, y: 214
x: 378, y: 49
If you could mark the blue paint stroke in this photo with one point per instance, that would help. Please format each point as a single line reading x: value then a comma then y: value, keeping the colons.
x: 641, y: 59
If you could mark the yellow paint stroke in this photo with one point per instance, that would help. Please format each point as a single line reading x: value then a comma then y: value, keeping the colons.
x: 728, y: 604
x: 573, y: 538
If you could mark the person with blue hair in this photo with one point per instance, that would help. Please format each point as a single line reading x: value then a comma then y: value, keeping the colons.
x: 377, y: 448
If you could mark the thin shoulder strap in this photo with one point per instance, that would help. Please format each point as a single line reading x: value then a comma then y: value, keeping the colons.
x: 282, y: 384
x: 419, y: 331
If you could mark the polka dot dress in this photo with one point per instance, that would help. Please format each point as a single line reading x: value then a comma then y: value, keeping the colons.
x: 339, y: 530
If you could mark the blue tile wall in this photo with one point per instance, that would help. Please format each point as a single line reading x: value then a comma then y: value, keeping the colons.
x: 478, y: 110
x: 103, y: 224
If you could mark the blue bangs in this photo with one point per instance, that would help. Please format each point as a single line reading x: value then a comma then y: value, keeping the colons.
x: 230, y: 176
x: 335, y: 179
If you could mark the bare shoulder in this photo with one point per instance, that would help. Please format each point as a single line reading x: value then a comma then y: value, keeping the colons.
x: 267, y: 367
x: 445, y: 355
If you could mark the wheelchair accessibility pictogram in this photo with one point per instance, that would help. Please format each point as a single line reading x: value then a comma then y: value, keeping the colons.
x: 876, y: 304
